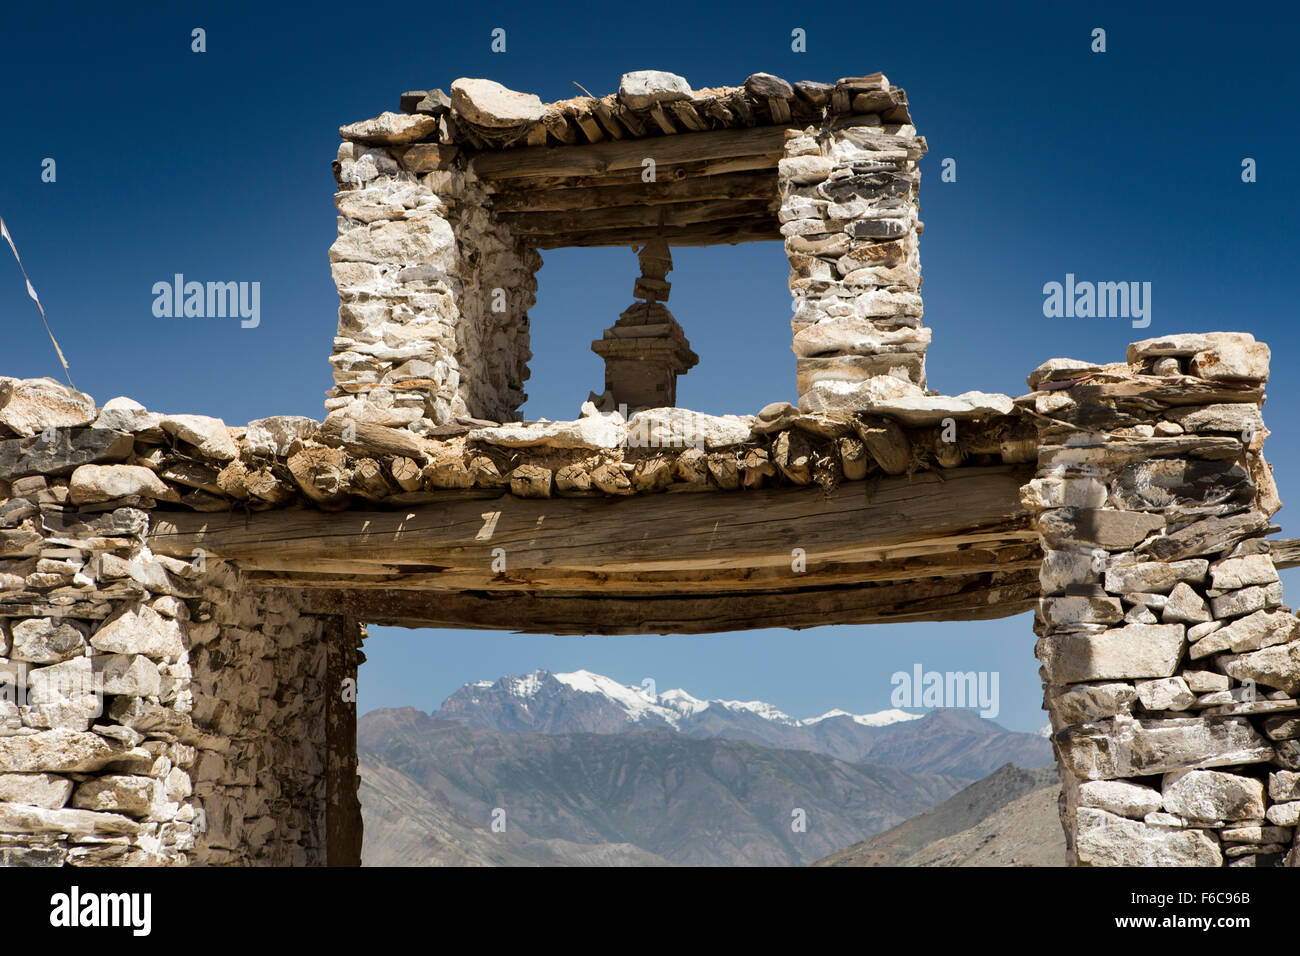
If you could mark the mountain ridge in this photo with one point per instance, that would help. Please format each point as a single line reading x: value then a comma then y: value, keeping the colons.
x: 950, y: 741
x: 686, y: 800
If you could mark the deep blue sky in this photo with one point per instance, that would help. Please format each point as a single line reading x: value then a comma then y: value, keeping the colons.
x: 1122, y: 166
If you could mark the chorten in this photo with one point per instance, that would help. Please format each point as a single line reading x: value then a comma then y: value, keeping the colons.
x: 646, y: 349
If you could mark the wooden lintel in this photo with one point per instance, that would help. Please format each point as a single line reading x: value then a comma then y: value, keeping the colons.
x: 745, y: 185
x: 715, y: 233
x: 1008, y: 555
x: 638, y: 533
x: 675, y: 172
x: 594, y: 158
x: 981, y: 597
x: 686, y: 213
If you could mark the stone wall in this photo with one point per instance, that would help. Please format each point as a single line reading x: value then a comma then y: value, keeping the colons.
x: 434, y: 294
x: 849, y: 216
x: 1170, y: 664
x: 153, y: 710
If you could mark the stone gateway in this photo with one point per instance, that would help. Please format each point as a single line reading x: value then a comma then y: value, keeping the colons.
x: 183, y: 603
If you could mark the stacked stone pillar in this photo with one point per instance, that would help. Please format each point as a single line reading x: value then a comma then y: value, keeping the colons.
x: 434, y: 293
x: 849, y: 215
x: 1171, y: 666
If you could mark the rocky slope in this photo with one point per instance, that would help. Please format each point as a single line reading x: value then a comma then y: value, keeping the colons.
x: 1007, y: 819
x: 406, y: 825
x: 1026, y: 832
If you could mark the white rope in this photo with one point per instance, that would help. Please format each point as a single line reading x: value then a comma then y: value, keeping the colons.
x: 4, y: 231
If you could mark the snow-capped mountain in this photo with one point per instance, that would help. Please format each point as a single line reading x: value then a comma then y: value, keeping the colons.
x: 956, y: 742
x: 562, y: 703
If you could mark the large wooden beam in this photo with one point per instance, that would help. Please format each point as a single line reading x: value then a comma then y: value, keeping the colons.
x: 642, y: 217
x: 717, y: 232
x: 343, y: 825
x: 866, y: 520
x: 767, y: 142
x: 981, y: 597
x: 764, y: 164
x: 761, y: 185
x: 1005, y: 554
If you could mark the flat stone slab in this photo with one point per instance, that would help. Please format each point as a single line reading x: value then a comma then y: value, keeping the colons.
x: 1106, y: 839
x: 17, y: 818
x: 1121, y: 797
x: 209, y: 435
x: 1137, y: 650
x: 902, y: 401
x: 1060, y: 369
x: 1182, y: 345
x: 680, y: 427
x: 28, y: 406
x: 57, y: 751
x: 928, y: 410
x: 488, y: 103
x: 1232, y: 361
x: 1127, y: 747
x: 391, y: 129
x: 1209, y: 795
x: 594, y: 431
x: 69, y: 449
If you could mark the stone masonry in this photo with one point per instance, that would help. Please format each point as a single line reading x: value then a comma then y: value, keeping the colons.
x: 152, y: 709
x: 434, y: 295
x: 1171, y: 665
x: 849, y: 218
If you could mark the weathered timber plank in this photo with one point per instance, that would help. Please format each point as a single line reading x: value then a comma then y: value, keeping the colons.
x: 586, y: 122
x: 343, y: 826
x: 686, y: 115
x: 716, y: 232
x: 674, y: 172
x: 586, y: 160
x: 628, y: 119
x: 633, y: 217
x: 739, y: 104
x: 634, y: 533
x: 558, y: 126
x: 362, y: 438
x: 304, y: 572
x: 964, y: 553
x: 605, y: 115
x: 761, y: 185
x: 980, y: 597
x: 662, y: 119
